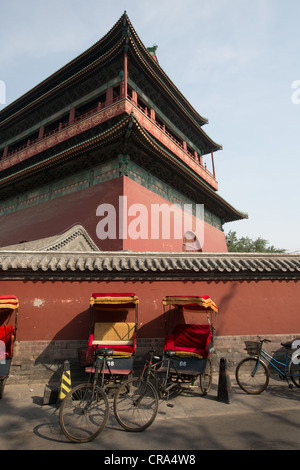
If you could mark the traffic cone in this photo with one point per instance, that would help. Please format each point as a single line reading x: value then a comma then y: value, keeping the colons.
x: 224, y: 386
x: 65, y: 384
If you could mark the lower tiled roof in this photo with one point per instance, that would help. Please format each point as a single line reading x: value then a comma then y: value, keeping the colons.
x: 126, y: 265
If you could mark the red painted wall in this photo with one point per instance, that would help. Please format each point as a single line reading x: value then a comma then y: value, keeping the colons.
x: 214, y: 239
x: 59, y: 214
x: 56, y: 216
x: 60, y: 310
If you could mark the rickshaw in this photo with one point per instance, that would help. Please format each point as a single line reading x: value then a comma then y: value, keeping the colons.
x: 108, y: 358
x: 186, y: 356
x: 189, y: 345
x: 110, y: 328
x: 9, y: 305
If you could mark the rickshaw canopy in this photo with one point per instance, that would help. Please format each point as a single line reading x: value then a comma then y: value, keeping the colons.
x: 9, y: 302
x: 112, y: 333
x: 194, y: 302
x: 125, y: 300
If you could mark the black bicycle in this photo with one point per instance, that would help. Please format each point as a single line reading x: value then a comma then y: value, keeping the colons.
x: 136, y: 400
x: 84, y: 411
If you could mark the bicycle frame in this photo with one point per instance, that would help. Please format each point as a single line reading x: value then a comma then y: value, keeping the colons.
x: 272, y: 361
x: 164, y: 386
x: 101, y: 366
x: 276, y: 364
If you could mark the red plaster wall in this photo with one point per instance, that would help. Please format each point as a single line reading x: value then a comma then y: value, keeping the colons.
x: 56, y: 216
x: 59, y: 214
x: 60, y: 310
x: 214, y: 239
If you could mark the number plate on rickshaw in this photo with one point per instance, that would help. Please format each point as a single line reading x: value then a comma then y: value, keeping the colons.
x: 117, y: 365
x: 185, y: 365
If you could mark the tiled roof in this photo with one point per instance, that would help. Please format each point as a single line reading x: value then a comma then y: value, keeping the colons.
x: 73, y: 254
x: 128, y: 265
x: 74, y: 239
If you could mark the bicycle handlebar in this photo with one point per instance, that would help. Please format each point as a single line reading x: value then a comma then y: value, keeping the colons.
x: 264, y: 340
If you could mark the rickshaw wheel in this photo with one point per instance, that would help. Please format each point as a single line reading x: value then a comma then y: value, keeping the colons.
x: 2, y: 385
x: 206, y: 378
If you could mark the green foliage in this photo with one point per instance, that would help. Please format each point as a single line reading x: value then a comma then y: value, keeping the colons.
x: 247, y: 245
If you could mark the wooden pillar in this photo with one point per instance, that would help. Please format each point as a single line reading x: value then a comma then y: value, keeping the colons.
x: 125, y: 73
x: 213, y: 164
x: 72, y: 115
x: 134, y: 98
x: 152, y: 114
x: 5, y: 152
x: 184, y: 145
x: 41, y: 132
x: 109, y: 96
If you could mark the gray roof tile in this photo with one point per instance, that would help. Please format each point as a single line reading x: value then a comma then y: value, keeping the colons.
x: 152, y: 264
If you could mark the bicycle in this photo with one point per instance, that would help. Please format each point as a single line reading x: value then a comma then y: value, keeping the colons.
x: 136, y: 401
x: 84, y: 411
x: 252, y: 373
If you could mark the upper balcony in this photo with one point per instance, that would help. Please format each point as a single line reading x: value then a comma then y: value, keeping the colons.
x: 112, y: 105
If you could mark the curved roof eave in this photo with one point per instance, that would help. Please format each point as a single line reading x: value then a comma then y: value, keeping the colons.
x: 157, y: 70
x: 110, y: 134
x: 145, y: 64
x: 233, y: 213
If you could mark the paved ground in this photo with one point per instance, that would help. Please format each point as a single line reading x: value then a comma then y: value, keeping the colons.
x: 267, y: 421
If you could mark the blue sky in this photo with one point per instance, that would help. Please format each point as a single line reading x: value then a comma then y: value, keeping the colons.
x: 235, y: 61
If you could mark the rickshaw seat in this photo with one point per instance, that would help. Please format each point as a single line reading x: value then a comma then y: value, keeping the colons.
x: 7, y: 336
x: 189, y: 339
x: 119, y: 336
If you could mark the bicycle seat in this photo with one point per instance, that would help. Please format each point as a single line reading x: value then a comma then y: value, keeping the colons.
x: 105, y: 352
x: 289, y: 344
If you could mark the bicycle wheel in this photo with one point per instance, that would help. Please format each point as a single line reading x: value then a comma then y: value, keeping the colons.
x: 294, y: 373
x: 2, y: 385
x: 206, y: 378
x: 252, y: 375
x: 83, y: 413
x: 136, y: 404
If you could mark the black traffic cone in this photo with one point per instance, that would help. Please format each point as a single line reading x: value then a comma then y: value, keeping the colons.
x: 224, y: 386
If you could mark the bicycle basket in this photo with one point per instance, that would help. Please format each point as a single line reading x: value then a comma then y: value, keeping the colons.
x: 252, y: 347
x: 86, y: 356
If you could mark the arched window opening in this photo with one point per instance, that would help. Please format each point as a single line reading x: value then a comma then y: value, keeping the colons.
x: 191, y: 242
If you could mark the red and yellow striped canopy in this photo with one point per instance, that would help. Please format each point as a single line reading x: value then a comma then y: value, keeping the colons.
x: 195, y: 302
x: 116, y: 299
x: 9, y: 301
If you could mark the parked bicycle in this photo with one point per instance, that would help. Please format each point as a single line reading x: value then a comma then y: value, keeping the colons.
x: 252, y: 373
x: 136, y: 400
x: 84, y: 411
